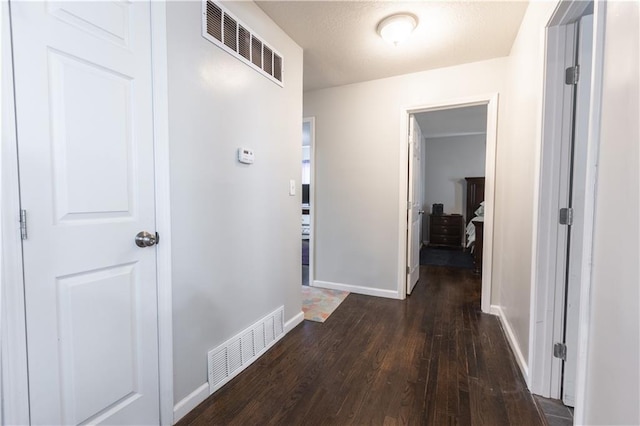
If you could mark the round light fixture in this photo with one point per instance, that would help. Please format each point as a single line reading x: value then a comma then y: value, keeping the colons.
x: 397, y: 28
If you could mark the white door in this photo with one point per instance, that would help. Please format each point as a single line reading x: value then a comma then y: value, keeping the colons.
x: 577, y: 192
x: 84, y: 125
x: 414, y: 210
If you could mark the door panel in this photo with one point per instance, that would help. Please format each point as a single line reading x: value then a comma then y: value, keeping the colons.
x: 92, y: 147
x: 84, y: 125
x: 414, y: 203
x: 98, y: 321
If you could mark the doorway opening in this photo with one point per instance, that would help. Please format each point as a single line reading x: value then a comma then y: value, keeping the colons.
x: 480, y: 114
x: 308, y: 132
x: 566, y: 202
x: 446, y: 185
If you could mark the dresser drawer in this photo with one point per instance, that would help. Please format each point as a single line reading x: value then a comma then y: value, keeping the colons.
x: 445, y: 229
x: 445, y: 220
x: 446, y: 240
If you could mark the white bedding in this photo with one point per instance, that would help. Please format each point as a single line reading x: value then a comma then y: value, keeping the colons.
x: 471, y: 229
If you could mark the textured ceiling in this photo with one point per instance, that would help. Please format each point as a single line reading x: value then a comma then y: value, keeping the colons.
x: 455, y: 121
x: 341, y: 45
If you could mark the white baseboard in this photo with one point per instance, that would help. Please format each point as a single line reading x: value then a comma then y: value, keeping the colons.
x: 190, y: 402
x: 293, y: 322
x: 511, y: 338
x: 368, y: 291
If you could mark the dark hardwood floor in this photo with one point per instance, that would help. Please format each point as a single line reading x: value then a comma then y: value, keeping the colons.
x: 431, y: 359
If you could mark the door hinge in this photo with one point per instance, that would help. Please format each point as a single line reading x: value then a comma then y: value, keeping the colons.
x: 560, y: 351
x: 566, y: 216
x: 409, y: 205
x: 572, y: 75
x: 23, y: 224
x: 408, y: 270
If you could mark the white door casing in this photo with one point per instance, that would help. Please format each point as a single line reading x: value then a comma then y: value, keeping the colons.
x: 85, y: 140
x: 414, y: 214
x: 578, y: 190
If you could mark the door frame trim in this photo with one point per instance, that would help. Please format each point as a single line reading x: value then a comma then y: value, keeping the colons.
x: 15, y: 404
x: 543, y: 317
x: 312, y: 199
x: 13, y: 337
x: 160, y: 82
x: 491, y: 100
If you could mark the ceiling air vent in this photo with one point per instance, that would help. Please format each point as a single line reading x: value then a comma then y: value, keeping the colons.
x: 227, y: 32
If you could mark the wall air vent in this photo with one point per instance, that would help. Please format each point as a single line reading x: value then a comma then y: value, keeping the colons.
x: 233, y: 356
x: 227, y: 32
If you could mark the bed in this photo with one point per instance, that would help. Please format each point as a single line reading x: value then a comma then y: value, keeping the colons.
x: 474, y: 218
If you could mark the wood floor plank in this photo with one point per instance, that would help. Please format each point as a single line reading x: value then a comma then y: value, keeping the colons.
x: 433, y: 359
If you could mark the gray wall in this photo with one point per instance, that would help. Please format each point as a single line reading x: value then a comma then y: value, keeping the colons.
x: 613, y: 363
x: 518, y: 146
x: 447, y: 161
x: 235, y: 229
x: 358, y: 137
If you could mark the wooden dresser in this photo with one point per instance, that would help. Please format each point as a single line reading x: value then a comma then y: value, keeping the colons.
x: 445, y: 230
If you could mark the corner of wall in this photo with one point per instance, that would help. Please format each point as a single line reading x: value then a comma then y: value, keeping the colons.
x: 513, y: 342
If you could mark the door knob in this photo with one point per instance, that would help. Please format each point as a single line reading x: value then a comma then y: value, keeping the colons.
x: 145, y: 239
x: 421, y: 211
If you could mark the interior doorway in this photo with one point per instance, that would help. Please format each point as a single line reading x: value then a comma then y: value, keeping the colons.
x: 446, y: 188
x: 566, y: 202
x: 414, y: 202
x: 308, y: 136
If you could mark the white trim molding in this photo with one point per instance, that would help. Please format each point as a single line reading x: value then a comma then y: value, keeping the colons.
x: 513, y: 342
x: 312, y: 199
x: 491, y: 101
x: 191, y: 401
x: 293, y: 322
x: 159, y: 65
x: 595, y: 112
x: 14, y: 382
x: 367, y: 291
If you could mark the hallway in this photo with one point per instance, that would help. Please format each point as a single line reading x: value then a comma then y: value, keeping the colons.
x: 432, y: 359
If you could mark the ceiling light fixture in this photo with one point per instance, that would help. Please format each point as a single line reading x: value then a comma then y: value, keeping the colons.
x: 397, y: 28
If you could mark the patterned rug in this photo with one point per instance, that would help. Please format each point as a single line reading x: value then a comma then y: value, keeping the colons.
x: 319, y: 303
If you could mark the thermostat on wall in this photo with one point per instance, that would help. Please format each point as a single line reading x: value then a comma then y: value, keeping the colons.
x: 245, y: 155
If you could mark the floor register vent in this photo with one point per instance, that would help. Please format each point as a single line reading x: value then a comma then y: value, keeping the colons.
x: 237, y: 353
x: 227, y: 32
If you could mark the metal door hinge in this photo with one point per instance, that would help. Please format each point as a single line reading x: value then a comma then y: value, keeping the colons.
x: 560, y: 351
x: 409, y: 205
x: 566, y: 216
x: 23, y: 224
x: 408, y: 270
x: 572, y: 75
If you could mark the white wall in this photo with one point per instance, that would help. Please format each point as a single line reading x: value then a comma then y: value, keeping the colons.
x: 447, y: 161
x: 518, y: 143
x: 358, y: 137
x: 235, y: 229
x: 613, y: 370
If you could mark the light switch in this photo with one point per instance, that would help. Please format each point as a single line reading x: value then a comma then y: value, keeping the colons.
x: 292, y: 187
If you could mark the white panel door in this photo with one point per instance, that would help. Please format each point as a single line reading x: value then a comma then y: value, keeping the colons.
x: 578, y: 190
x: 84, y: 124
x: 414, y: 205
